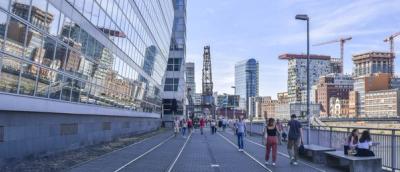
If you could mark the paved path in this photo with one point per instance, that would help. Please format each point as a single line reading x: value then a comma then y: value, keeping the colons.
x: 193, y: 153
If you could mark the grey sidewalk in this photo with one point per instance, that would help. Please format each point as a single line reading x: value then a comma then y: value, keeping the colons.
x: 116, y: 159
x: 202, y: 153
x: 282, y: 159
x: 210, y: 153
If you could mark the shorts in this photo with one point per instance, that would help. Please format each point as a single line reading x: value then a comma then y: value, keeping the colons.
x: 176, y: 130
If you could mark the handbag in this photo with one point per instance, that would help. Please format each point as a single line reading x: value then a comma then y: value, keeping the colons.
x: 302, y: 151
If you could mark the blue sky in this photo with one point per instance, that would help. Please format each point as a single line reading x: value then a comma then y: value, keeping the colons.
x: 264, y: 29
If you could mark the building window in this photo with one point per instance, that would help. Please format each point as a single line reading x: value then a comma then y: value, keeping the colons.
x: 171, y: 84
x: 69, y: 129
x: 174, y: 64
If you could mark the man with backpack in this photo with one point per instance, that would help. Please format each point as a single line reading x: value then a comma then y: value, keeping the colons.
x: 295, y: 139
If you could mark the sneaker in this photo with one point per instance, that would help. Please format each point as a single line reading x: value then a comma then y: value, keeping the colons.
x: 266, y: 163
x: 295, y: 163
x: 273, y: 164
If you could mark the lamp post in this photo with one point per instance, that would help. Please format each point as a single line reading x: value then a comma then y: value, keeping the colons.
x: 234, y: 103
x: 226, y: 105
x: 306, y: 18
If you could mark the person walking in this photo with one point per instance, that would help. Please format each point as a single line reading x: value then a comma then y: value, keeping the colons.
x: 176, y: 126
x: 280, y: 131
x: 184, y: 127
x: 241, y: 130
x: 224, y: 123
x: 202, y: 125
x: 271, y: 135
x: 295, y: 138
x: 213, y: 126
x: 190, y: 125
x: 220, y: 124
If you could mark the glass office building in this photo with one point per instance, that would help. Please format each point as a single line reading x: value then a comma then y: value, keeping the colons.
x: 110, y: 53
x: 174, y: 98
x: 246, y: 81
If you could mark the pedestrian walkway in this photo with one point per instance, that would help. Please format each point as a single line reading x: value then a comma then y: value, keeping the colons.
x: 196, y: 152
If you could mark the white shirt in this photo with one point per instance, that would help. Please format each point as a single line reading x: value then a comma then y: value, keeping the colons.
x: 364, y: 145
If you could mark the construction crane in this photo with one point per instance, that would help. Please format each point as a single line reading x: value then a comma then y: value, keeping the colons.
x: 390, y: 39
x: 391, y: 42
x: 341, y: 40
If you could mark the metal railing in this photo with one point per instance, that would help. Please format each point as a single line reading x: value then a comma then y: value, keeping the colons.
x: 335, y: 137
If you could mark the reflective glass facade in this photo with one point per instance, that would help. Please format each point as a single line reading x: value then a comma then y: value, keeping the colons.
x: 174, y: 82
x: 246, y: 81
x: 104, y: 52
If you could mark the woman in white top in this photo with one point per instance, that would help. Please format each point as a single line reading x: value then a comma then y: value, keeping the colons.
x: 176, y: 126
x: 364, y: 145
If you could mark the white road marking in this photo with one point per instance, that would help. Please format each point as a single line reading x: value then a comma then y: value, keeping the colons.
x: 179, y: 154
x: 246, y: 153
x: 214, y: 165
x: 147, y: 152
x: 120, y: 149
x: 285, y: 155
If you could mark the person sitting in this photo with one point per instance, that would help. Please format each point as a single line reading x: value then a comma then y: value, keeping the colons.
x: 351, y: 141
x: 364, y: 145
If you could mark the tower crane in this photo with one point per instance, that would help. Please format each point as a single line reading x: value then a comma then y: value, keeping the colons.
x: 391, y: 42
x: 341, y: 40
x: 390, y: 39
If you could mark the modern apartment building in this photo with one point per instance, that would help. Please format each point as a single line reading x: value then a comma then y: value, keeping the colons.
x: 372, y: 71
x: 174, y: 97
x: 372, y: 62
x: 372, y: 82
x: 190, y: 78
x: 246, y: 82
x: 320, y: 65
x: 382, y: 103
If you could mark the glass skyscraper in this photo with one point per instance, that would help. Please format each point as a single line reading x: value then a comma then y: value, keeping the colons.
x: 174, y: 80
x: 246, y: 81
x: 109, y: 53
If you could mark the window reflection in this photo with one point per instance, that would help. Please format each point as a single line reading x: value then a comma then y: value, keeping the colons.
x: 9, y: 74
x: 21, y: 8
x: 66, y: 85
x: 4, y: 4
x: 3, y: 25
x: 15, y: 37
x: 28, y: 79
x: 42, y: 88
x: 72, y: 65
x: 55, y: 13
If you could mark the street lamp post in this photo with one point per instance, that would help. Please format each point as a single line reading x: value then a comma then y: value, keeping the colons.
x: 306, y: 18
x: 226, y: 105
x: 234, y: 93
x: 250, y: 100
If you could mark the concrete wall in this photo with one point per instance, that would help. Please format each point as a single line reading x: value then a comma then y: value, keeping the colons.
x: 29, y: 133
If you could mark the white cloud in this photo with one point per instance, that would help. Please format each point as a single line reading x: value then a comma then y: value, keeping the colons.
x: 347, y: 20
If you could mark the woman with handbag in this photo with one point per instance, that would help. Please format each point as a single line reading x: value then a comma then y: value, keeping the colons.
x: 271, y: 134
x: 351, y: 141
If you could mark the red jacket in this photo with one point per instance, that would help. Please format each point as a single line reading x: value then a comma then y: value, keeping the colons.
x: 202, y: 122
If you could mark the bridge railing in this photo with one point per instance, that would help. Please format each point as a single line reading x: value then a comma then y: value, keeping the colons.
x: 333, y: 136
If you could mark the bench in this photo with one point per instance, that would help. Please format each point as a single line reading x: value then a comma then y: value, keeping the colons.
x: 353, y: 163
x: 316, y: 153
